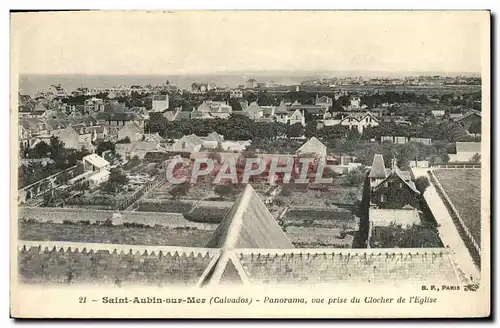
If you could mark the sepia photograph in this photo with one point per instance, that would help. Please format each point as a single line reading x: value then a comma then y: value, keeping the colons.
x: 238, y: 164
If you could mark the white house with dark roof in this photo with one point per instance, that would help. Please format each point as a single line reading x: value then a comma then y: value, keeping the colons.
x: 254, y: 111
x: 359, y: 121
x: 160, y: 103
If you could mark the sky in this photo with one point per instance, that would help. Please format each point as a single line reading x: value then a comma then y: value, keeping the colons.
x: 217, y: 41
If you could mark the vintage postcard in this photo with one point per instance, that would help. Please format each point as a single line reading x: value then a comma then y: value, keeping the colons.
x: 250, y: 164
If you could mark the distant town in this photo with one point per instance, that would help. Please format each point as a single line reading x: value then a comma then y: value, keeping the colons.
x: 404, y: 155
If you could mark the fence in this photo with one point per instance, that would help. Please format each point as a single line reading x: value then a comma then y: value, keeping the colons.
x: 159, y: 179
x: 457, y: 166
x: 467, y: 237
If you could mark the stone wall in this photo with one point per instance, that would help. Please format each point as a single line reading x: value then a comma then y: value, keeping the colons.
x: 60, y: 215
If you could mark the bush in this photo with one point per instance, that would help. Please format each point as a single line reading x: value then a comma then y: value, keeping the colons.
x: 354, y: 177
x: 206, y: 214
x: 167, y: 206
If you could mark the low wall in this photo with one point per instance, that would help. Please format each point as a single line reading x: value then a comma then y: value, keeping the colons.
x: 59, y: 215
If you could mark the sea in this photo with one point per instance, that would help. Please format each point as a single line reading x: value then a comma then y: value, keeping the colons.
x: 29, y: 84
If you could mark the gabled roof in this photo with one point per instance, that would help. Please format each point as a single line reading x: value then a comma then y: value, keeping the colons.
x: 354, y: 267
x: 378, y: 168
x: 249, y: 224
x: 468, y: 147
x: 313, y: 146
x: 281, y: 109
x: 401, y: 176
x: 254, y: 108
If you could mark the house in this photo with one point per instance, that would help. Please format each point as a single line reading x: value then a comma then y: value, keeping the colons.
x: 297, y: 117
x: 394, y: 198
x: 466, y: 152
x: 132, y: 131
x: 75, y: 137
x: 324, y: 101
x: 96, y: 169
x: 359, y: 121
x: 313, y: 112
x: 314, y: 147
x: 160, y: 103
x: 268, y: 111
x: 281, y: 113
x: 438, y: 113
x: 354, y: 105
x: 254, y: 111
x: 190, y: 143
x: 94, y: 162
x: 100, y: 131
x: 211, y: 109
x: 236, y: 94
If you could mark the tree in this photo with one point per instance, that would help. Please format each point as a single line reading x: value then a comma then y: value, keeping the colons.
x: 354, y: 177
x: 105, y: 145
x: 117, y: 180
x: 421, y: 183
x: 476, y: 159
x: 41, y: 150
x: 179, y: 190
x: 56, y: 148
x: 311, y: 128
x: 475, y: 127
x: 295, y: 130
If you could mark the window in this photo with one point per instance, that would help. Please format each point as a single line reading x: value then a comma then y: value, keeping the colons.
x: 382, y: 198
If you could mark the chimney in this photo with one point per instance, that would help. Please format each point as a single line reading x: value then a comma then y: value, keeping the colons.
x: 394, y: 163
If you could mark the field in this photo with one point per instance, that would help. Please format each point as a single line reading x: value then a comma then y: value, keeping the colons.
x: 133, y: 235
x: 463, y: 186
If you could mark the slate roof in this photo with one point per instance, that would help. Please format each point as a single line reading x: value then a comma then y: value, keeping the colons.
x: 249, y: 224
x: 281, y: 109
x: 362, y: 266
x: 378, y: 168
x: 111, y: 264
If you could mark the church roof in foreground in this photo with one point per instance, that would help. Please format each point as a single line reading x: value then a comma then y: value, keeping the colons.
x: 248, y: 247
